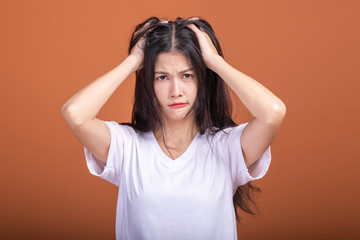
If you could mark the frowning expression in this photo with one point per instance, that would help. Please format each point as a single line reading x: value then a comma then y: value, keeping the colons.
x: 175, y: 85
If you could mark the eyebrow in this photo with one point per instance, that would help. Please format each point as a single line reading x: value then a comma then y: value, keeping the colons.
x: 184, y: 71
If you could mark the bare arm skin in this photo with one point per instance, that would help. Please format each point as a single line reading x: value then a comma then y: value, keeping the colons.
x: 81, y: 109
x: 267, y: 109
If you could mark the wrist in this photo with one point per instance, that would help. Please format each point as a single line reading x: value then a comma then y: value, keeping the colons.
x: 216, y: 63
x: 133, y: 62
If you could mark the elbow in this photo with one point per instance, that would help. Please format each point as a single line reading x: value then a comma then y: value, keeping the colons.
x: 277, y: 113
x: 71, y: 116
x: 280, y: 109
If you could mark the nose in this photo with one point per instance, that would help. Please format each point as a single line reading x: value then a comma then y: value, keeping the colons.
x: 175, y: 90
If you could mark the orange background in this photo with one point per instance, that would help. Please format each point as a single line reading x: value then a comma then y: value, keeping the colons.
x: 306, y: 52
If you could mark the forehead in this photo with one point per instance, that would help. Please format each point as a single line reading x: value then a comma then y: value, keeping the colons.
x: 172, y: 61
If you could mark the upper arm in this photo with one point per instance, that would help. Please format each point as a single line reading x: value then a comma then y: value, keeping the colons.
x: 257, y: 136
x: 95, y: 136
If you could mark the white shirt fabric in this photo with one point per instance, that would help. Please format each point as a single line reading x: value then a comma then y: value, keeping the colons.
x: 187, y: 198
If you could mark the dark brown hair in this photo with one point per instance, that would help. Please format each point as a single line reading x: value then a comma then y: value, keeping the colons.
x: 212, y: 106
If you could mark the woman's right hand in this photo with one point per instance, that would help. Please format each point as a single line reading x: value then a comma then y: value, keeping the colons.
x: 137, y: 54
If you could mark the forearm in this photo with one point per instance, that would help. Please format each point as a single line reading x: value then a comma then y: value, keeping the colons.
x: 261, y: 103
x: 86, y: 103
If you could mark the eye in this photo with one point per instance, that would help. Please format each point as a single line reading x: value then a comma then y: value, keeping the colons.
x: 161, y: 77
x: 187, y: 75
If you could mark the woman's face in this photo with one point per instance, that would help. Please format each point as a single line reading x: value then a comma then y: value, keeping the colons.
x: 175, y: 85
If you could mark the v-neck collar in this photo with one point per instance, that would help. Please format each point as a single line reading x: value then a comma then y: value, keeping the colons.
x: 182, y: 158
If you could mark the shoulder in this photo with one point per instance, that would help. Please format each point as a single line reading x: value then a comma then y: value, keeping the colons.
x: 122, y: 129
x: 218, y: 134
x: 128, y: 132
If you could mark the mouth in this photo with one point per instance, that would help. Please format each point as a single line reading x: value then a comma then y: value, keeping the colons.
x: 178, y: 105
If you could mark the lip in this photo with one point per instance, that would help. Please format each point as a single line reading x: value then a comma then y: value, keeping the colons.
x: 178, y: 105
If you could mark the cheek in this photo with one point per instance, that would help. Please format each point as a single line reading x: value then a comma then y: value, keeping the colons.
x: 159, y: 92
x: 193, y: 90
x: 156, y: 89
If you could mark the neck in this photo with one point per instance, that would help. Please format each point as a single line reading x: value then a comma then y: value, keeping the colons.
x: 177, y: 133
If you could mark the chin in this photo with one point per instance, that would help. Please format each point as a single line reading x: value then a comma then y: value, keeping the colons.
x: 178, y: 117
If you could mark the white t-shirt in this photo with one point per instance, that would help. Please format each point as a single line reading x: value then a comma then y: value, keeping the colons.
x: 187, y: 198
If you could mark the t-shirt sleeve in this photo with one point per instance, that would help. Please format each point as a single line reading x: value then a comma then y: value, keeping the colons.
x: 231, y: 148
x: 111, y: 171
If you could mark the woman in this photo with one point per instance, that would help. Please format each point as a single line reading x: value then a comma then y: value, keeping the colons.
x: 182, y: 164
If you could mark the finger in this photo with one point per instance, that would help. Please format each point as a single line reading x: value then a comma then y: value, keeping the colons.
x: 193, y: 19
x: 199, y: 32
x: 194, y: 28
x: 148, y: 27
x: 141, y: 43
x: 202, y: 36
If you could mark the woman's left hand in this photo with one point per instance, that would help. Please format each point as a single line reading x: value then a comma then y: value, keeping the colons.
x: 208, y: 50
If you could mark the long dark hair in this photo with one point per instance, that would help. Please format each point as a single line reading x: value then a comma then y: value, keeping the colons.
x: 212, y: 106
